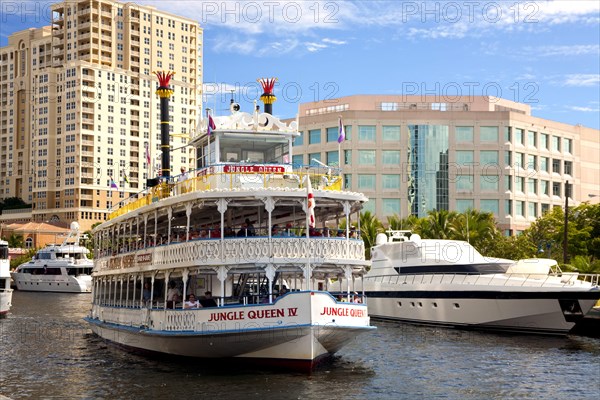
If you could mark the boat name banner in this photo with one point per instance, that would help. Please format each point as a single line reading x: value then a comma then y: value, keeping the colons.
x: 253, y: 314
x: 254, y: 169
x: 283, y: 312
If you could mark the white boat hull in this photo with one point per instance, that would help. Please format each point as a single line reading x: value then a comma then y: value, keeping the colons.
x: 504, y: 309
x: 299, y: 337
x: 5, y: 301
x: 53, y: 283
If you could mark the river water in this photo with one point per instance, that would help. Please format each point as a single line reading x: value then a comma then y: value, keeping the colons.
x: 48, y: 352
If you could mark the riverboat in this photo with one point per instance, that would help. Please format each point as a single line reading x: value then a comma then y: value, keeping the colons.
x: 63, y: 268
x: 449, y: 283
x: 241, y: 228
x: 5, y: 290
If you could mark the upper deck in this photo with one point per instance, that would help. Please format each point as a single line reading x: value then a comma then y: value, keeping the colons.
x: 244, y: 152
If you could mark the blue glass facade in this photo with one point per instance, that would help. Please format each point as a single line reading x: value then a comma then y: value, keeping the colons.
x: 427, y: 157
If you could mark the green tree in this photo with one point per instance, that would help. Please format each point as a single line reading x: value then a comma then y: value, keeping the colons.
x: 439, y: 224
x: 476, y: 227
x: 13, y: 203
x: 370, y: 226
x: 15, y: 241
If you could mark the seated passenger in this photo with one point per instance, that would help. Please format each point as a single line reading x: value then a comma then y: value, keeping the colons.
x: 192, y: 302
x: 208, y: 301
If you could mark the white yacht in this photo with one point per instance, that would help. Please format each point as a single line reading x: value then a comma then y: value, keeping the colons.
x: 447, y: 282
x: 232, y: 234
x: 5, y: 290
x: 57, y: 268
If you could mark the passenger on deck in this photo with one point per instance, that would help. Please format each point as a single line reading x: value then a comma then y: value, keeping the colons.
x: 250, y: 228
x: 173, y: 295
x: 288, y: 230
x: 208, y: 300
x: 275, y: 231
x: 192, y: 302
x: 147, y: 294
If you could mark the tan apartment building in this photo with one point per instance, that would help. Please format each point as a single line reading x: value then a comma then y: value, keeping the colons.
x: 79, y: 106
x: 412, y: 154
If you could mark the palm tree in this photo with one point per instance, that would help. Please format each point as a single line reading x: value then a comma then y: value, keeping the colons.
x: 370, y: 226
x: 439, y: 224
x: 408, y: 224
x: 476, y: 227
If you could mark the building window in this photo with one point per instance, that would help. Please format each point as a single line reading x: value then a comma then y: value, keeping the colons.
x: 348, y: 157
x: 489, y: 182
x: 391, y: 206
x: 332, y: 134
x: 366, y: 182
x: 298, y: 160
x: 464, y: 183
x: 366, y: 133
x: 531, y: 139
x: 518, y: 136
x: 556, y: 189
x: 544, y: 187
x: 556, y: 165
x: 312, y: 157
x: 568, y: 146
x: 390, y: 181
x: 555, y: 143
x: 520, y: 184
x: 464, y: 134
x: 508, y: 207
x: 531, y: 186
x: 347, y: 181
x: 531, y: 162
x: 314, y: 136
x: 390, y: 157
x: 507, y: 134
x: 488, y: 133
x: 519, y: 208
x: 532, y: 210
x: 508, y: 182
x: 299, y: 140
x: 543, y: 141
x: 333, y: 158
x: 390, y: 133
x: 464, y: 157
x: 544, y: 164
x: 492, y: 206
x: 568, y: 168
x: 366, y: 157
x: 463, y: 205
x: 488, y: 157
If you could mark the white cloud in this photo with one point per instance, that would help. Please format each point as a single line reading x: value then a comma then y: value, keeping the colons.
x: 582, y: 80
x: 583, y: 109
x: 334, y: 41
x: 570, y: 50
x: 312, y: 46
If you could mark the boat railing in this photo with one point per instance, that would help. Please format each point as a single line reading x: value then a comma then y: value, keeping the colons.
x: 250, y: 249
x: 516, y: 279
x: 212, y: 178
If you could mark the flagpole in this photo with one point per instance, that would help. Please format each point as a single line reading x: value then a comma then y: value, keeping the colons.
x: 208, y: 135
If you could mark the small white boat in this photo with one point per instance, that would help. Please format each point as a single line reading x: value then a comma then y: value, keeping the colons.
x: 239, y: 227
x: 5, y: 290
x: 57, y: 268
x: 448, y: 283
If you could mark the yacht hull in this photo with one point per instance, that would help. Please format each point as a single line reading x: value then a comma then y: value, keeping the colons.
x: 542, y: 312
x: 300, y: 337
x: 52, y: 283
x: 5, y: 301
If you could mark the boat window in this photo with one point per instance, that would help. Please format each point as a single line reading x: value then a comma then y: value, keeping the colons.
x: 265, y: 150
x: 45, y: 256
x: 4, y: 252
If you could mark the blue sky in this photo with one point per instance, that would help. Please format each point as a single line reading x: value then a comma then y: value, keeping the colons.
x: 543, y: 53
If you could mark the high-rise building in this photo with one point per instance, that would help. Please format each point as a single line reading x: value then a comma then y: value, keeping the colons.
x: 79, y: 106
x: 412, y: 154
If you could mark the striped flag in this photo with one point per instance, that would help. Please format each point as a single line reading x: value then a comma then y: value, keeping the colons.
x: 211, y: 125
x: 341, y: 132
x: 125, y: 177
x: 113, y: 184
x: 310, y: 197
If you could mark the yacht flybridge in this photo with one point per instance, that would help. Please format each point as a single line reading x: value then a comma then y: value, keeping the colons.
x: 228, y: 260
